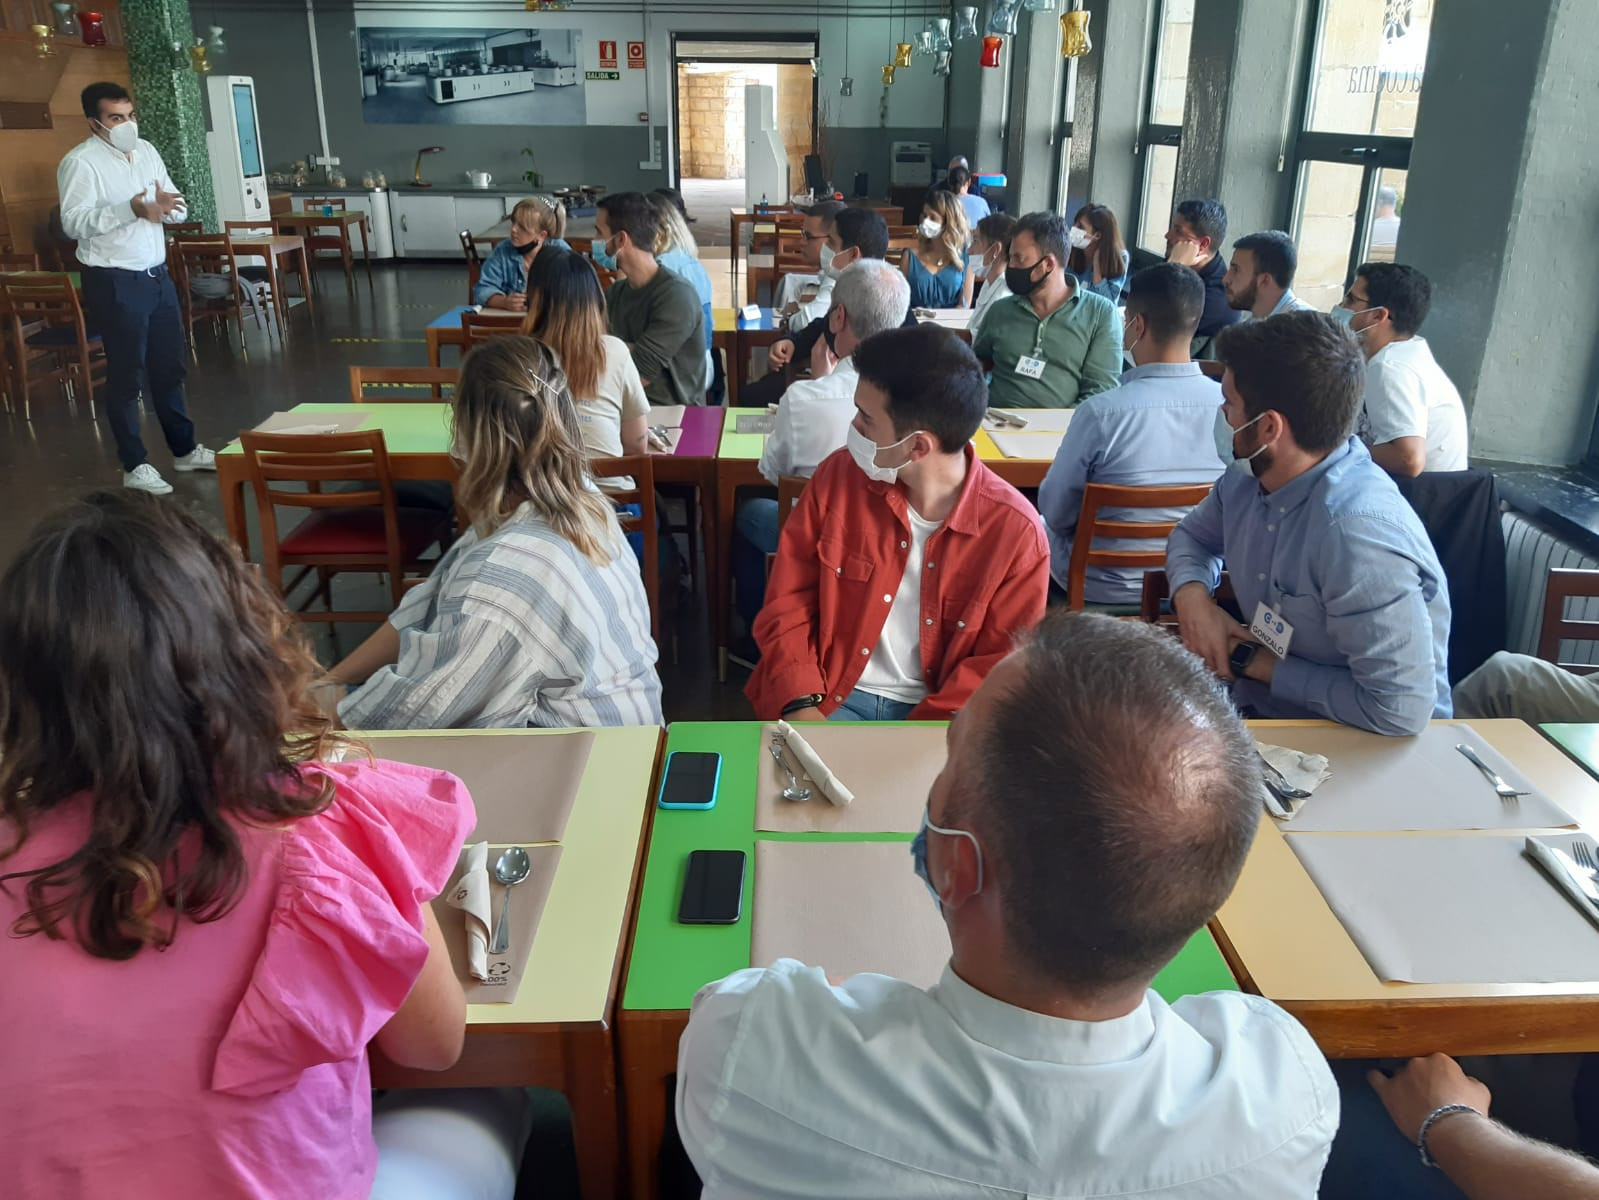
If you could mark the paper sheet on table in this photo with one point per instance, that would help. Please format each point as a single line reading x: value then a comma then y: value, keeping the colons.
x: 846, y: 907
x: 522, y: 787
x: 1382, y: 784
x: 1444, y: 909
x: 1040, y: 444
x: 673, y: 435
x: 1039, y: 420
x: 888, y: 767
x: 753, y: 423
x: 321, y: 421
x: 667, y: 414
x: 528, y: 898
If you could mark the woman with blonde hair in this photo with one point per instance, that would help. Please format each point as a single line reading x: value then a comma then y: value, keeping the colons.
x: 936, y: 265
x: 206, y: 919
x: 566, y: 311
x: 535, y: 223
x: 537, y: 615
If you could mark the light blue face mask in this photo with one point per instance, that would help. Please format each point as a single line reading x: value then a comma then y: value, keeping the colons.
x: 602, y: 257
x: 919, y: 855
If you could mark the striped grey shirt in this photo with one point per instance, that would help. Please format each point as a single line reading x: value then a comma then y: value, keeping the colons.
x: 518, y: 629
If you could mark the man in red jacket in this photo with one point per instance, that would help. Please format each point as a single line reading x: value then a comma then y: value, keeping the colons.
x: 908, y: 566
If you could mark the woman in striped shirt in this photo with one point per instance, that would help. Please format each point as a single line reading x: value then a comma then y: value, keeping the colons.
x: 537, y: 616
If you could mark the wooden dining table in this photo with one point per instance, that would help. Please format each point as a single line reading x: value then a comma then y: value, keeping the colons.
x: 272, y: 249
x: 306, y: 223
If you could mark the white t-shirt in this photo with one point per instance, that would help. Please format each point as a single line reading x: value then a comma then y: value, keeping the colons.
x: 1408, y: 395
x: 618, y: 396
x: 992, y: 291
x: 895, y: 667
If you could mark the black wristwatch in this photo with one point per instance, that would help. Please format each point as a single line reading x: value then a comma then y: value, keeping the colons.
x: 1243, y: 654
x: 800, y: 702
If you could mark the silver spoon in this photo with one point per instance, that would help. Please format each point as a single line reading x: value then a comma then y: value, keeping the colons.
x: 793, y: 791
x: 510, y: 869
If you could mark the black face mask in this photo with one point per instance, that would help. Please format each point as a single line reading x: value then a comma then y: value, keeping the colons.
x: 1020, y: 279
x: 828, y: 335
x: 524, y: 247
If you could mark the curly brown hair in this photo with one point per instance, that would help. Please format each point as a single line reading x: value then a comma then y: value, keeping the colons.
x: 150, y: 674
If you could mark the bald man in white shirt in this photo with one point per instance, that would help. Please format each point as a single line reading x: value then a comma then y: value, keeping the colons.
x: 115, y: 196
x: 1069, y: 871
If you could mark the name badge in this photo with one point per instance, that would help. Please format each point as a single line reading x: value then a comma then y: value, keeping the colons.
x: 750, y: 312
x: 1031, y: 368
x: 1271, y: 631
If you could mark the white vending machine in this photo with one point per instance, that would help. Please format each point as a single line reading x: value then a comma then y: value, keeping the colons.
x: 238, y: 170
x: 765, y: 159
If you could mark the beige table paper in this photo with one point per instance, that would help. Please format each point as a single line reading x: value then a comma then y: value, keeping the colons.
x: 888, y: 767
x: 670, y: 415
x: 1028, y: 443
x: 1442, y: 909
x: 527, y: 907
x: 673, y: 434
x: 328, y: 421
x: 1382, y: 784
x: 1039, y: 420
x: 846, y: 907
x: 523, y: 788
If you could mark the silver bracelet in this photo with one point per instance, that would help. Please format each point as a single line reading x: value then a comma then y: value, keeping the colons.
x: 1436, y: 1115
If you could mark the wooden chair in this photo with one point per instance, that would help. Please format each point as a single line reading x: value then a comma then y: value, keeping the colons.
x: 1090, y: 525
x: 642, y: 471
x: 211, y: 255
x: 472, y: 247
x: 406, y: 378
x: 11, y: 263
x: 1563, y: 584
x: 338, y: 241
x: 261, y: 278
x: 47, y: 329
x: 361, y: 531
x: 178, y: 227
x: 318, y: 203
x: 480, y: 327
x: 789, y: 490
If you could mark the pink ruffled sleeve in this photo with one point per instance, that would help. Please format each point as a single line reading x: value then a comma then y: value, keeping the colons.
x: 345, y: 941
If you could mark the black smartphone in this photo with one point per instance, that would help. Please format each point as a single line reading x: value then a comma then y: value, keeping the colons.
x: 713, y: 888
x: 691, y: 779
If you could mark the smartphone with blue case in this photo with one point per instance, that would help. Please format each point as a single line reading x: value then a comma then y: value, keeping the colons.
x: 691, y: 780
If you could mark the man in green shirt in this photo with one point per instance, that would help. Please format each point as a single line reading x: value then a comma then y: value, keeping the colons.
x: 656, y: 312
x: 1051, y: 343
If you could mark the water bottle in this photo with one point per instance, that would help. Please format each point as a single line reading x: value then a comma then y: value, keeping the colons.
x: 327, y: 210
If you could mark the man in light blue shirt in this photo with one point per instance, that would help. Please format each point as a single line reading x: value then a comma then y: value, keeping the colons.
x: 1327, y: 559
x: 1152, y: 431
x: 1260, y: 276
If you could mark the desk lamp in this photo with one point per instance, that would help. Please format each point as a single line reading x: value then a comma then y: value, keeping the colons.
x: 418, y: 181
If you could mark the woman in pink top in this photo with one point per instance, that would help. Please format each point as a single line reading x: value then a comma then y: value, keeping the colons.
x: 204, y: 923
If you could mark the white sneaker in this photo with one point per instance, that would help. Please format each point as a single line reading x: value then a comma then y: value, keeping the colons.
x: 198, y: 459
x: 145, y: 478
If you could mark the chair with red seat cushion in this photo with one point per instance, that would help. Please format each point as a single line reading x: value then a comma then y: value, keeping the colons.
x: 362, y: 530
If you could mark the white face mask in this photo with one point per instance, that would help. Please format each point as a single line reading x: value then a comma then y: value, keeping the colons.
x: 864, y: 451
x: 831, y: 268
x: 1079, y: 237
x: 124, y: 137
x: 1253, y: 454
x: 1127, y: 348
x: 930, y: 228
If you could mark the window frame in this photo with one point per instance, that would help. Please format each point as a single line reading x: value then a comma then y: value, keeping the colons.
x: 1151, y: 133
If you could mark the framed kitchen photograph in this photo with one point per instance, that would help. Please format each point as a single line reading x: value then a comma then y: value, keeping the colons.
x: 488, y: 76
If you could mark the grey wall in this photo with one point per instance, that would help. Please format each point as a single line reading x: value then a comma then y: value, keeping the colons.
x: 1103, y: 166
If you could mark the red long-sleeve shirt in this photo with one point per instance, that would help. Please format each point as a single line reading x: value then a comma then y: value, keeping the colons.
x: 985, y: 579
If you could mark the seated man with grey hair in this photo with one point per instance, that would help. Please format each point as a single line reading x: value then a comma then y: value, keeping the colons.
x: 814, y: 414
x: 1068, y: 870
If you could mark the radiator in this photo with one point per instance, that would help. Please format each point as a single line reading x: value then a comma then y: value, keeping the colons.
x: 1530, y: 550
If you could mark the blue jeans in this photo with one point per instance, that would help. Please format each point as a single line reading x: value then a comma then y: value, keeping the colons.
x: 865, y: 706
x: 140, y: 325
x: 755, y: 536
x: 1370, y: 1157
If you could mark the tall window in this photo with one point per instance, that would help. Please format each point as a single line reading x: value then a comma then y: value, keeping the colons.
x: 1364, y: 84
x: 1162, y: 132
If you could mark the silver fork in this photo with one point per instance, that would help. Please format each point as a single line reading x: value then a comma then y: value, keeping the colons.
x: 1583, y: 855
x: 1507, y: 794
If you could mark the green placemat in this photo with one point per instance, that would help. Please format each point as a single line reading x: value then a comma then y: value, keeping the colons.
x: 419, y: 428
x: 1580, y: 742
x: 671, y: 962
x: 736, y: 444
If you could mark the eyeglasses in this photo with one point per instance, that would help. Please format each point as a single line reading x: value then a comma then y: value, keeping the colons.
x: 812, y: 237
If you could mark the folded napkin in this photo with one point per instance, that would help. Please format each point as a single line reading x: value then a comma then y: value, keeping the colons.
x: 303, y: 429
x: 1577, y: 881
x: 1298, y: 769
x: 814, y: 768
x: 471, y: 895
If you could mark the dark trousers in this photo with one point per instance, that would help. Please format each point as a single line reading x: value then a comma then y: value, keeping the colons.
x: 137, y: 317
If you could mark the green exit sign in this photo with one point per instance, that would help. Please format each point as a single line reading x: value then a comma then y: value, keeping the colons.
x: 602, y: 74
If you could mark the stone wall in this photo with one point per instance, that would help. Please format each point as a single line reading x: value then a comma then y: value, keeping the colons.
x: 711, y: 123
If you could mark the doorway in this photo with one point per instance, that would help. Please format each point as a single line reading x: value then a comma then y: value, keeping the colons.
x: 709, y: 135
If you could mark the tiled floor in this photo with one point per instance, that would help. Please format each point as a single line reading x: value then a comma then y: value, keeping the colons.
x: 62, y: 454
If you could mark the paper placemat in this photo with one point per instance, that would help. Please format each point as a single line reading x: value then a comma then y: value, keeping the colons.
x: 1039, y: 420
x: 1382, y: 784
x: 889, y: 768
x: 1452, y: 909
x: 1040, y: 444
x: 674, y: 435
x: 522, y: 787
x: 667, y: 414
x: 753, y: 423
x: 321, y: 421
x: 527, y: 908
x: 846, y: 907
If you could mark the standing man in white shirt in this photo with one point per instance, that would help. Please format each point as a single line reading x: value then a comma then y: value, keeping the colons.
x: 115, y: 195
x: 1412, y: 418
x: 1069, y: 871
x: 1260, y: 277
x: 814, y: 416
